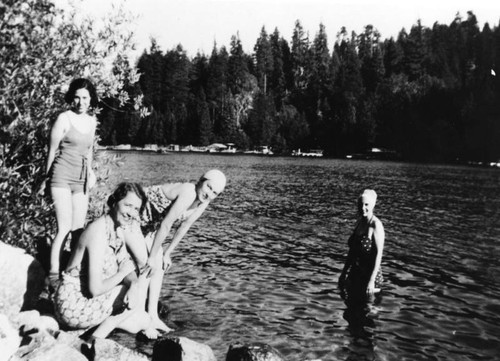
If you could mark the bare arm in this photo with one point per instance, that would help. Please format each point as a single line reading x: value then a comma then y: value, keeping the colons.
x: 57, y: 134
x: 379, y: 237
x: 94, y: 237
x: 183, y: 228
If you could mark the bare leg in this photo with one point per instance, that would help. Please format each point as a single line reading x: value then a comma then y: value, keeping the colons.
x: 80, y: 206
x: 64, y: 213
x: 131, y: 320
x: 154, y: 295
x: 138, y: 246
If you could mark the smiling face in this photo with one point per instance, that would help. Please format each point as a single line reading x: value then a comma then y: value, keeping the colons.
x: 127, y: 210
x: 81, y: 101
x: 365, y: 206
x: 208, y: 190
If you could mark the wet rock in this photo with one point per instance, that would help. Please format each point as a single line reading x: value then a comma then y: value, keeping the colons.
x: 51, y: 352
x: 181, y: 349
x: 109, y: 350
x: 254, y: 352
x: 22, y: 279
x: 9, y: 339
x: 71, y: 339
x: 31, y: 321
x: 32, y: 342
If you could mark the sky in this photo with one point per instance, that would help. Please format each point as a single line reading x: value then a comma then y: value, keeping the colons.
x: 198, y: 24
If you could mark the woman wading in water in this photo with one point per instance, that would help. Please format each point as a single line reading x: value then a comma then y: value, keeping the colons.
x: 362, y: 273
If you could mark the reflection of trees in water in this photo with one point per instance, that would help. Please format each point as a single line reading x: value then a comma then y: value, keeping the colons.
x: 360, y: 314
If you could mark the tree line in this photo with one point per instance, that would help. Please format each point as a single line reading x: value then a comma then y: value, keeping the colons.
x: 430, y: 94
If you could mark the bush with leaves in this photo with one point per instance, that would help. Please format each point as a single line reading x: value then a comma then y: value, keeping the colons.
x: 42, y: 48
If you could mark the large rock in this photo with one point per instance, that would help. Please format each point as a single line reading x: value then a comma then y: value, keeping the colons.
x: 21, y: 280
x: 28, y: 321
x: 109, y: 350
x: 254, y: 352
x: 181, y: 349
x: 9, y: 339
x: 52, y: 352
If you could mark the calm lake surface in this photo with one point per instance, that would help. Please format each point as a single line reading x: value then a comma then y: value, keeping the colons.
x: 262, y: 263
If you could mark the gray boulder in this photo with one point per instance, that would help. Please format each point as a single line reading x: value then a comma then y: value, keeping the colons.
x: 9, y: 339
x: 109, y: 350
x: 22, y: 279
x: 51, y: 351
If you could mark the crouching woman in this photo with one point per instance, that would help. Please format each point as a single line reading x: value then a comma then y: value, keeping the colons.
x: 100, y: 286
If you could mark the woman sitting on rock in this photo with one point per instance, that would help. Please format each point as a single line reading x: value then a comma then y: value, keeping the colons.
x: 100, y: 286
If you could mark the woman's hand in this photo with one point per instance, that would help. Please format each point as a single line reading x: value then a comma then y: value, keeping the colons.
x: 370, y: 290
x: 126, y: 267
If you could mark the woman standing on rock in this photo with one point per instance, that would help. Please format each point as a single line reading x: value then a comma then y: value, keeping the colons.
x: 100, y: 286
x: 179, y: 203
x: 68, y: 172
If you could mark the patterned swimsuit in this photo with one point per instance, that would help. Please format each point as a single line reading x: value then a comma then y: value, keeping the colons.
x: 156, y: 209
x: 75, y: 307
x: 365, y: 253
x: 157, y: 206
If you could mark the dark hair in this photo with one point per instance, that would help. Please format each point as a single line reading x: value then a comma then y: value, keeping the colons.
x: 121, y: 192
x: 82, y: 83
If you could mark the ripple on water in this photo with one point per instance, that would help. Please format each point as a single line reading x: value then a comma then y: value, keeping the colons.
x: 262, y: 264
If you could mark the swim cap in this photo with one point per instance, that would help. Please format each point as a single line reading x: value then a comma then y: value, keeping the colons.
x: 217, y: 177
x: 369, y: 193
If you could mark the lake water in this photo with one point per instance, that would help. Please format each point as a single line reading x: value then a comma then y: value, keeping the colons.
x: 262, y: 263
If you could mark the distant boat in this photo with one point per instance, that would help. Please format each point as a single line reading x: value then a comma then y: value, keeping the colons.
x: 216, y: 147
x: 376, y: 153
x: 310, y: 153
x: 230, y: 148
x: 263, y: 149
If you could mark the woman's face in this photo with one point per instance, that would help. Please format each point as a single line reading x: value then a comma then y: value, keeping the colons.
x: 127, y: 210
x: 81, y: 101
x: 365, y: 206
x: 208, y: 190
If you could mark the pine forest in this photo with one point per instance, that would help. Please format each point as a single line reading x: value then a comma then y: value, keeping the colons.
x: 432, y: 94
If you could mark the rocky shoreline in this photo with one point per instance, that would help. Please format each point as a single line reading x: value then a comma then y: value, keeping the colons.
x: 30, y: 332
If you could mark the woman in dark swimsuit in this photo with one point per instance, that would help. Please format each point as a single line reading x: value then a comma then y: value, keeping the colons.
x: 362, y: 273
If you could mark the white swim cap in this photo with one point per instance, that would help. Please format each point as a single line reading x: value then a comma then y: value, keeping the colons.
x: 370, y: 194
x: 217, y: 177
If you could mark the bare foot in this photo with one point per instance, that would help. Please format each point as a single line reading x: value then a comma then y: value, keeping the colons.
x: 150, y: 333
x: 160, y: 325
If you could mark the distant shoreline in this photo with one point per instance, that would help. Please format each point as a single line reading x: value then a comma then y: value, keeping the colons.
x: 354, y: 157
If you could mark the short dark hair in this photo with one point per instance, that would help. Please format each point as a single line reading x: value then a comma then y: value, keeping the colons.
x: 123, y: 189
x: 82, y: 83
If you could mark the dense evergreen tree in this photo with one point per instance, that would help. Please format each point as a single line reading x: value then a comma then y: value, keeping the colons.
x: 430, y: 94
x: 264, y: 64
